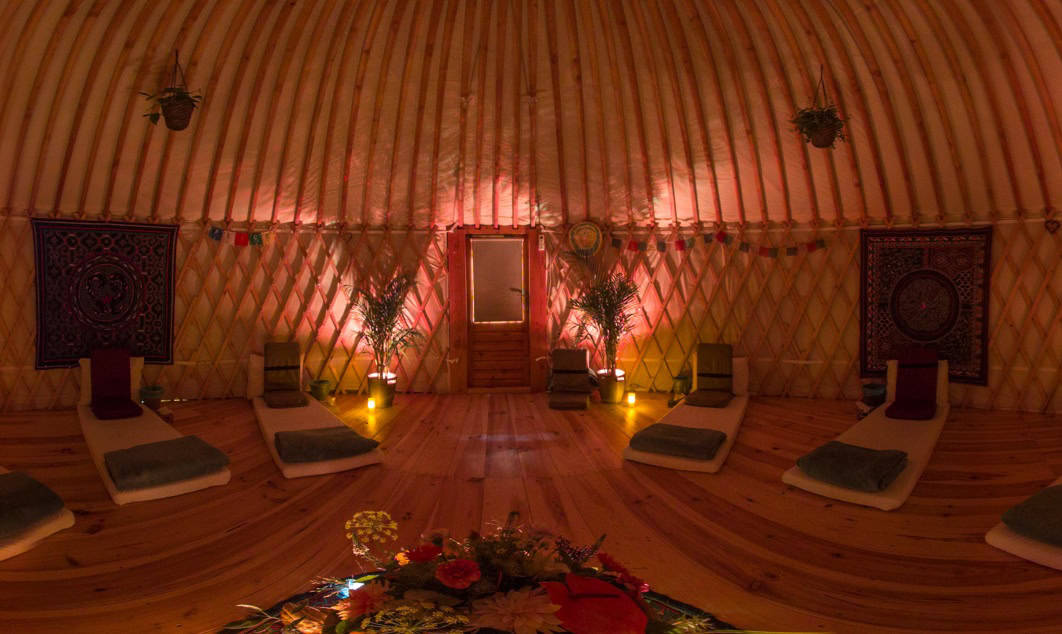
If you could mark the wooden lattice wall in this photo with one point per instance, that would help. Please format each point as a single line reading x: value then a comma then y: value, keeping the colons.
x: 797, y: 318
x: 230, y: 300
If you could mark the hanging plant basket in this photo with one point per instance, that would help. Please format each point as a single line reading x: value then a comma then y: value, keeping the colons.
x: 820, y: 124
x: 175, y: 104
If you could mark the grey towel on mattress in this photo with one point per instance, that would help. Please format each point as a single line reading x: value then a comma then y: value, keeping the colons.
x: 854, y: 467
x: 164, y: 462
x: 316, y: 445
x: 1039, y: 517
x: 679, y: 441
x: 24, y: 502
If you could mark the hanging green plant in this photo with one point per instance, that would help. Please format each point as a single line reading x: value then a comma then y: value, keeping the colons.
x: 175, y: 103
x: 819, y: 124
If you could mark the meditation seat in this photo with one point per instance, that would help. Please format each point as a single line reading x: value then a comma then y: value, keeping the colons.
x: 571, y: 381
x: 304, y: 437
x: 879, y: 460
x: 1032, y: 530
x: 29, y: 512
x: 139, y: 456
x: 699, y: 432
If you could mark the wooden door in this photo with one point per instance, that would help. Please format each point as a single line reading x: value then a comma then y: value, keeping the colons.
x: 497, y: 308
x: 499, y: 342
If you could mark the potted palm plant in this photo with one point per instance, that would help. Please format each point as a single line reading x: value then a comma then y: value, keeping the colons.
x: 381, y: 312
x: 606, y: 306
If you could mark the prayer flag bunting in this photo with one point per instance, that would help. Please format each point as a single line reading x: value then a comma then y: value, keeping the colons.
x: 680, y: 245
x: 241, y: 238
x: 617, y: 243
x: 256, y: 239
x: 632, y: 246
x: 215, y: 234
x: 661, y: 246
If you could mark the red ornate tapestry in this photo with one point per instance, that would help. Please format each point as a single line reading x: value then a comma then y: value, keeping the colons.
x: 103, y: 285
x: 926, y: 288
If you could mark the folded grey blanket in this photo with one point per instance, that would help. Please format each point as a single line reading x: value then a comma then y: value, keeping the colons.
x: 23, y: 503
x: 854, y: 467
x: 316, y: 445
x: 676, y: 440
x: 1039, y: 517
x: 164, y: 462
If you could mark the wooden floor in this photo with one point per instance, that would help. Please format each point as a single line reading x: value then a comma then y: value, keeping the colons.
x: 739, y: 544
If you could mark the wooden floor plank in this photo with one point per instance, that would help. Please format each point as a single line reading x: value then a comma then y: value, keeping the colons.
x: 740, y: 543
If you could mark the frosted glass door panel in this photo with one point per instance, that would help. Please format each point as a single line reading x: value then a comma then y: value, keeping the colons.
x: 498, y: 290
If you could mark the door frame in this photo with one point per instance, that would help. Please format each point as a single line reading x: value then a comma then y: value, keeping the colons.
x: 457, y: 271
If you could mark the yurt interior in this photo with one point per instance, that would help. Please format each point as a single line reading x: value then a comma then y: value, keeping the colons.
x: 530, y: 316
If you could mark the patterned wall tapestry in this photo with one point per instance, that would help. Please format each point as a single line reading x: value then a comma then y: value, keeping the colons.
x: 926, y: 288
x: 102, y: 285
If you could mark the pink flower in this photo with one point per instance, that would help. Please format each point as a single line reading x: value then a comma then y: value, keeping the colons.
x: 458, y: 574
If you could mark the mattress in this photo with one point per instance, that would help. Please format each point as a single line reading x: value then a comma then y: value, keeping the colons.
x: 48, y: 526
x: 1032, y: 550
x: 111, y: 435
x: 313, y: 415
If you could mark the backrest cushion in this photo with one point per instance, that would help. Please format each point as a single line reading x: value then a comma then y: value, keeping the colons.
x: 715, y: 367
x: 283, y: 366
x: 110, y: 374
x: 568, y: 360
x: 136, y: 369
x: 916, y: 376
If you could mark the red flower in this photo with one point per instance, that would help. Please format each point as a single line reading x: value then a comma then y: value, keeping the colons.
x: 637, y: 586
x: 610, y: 563
x: 423, y: 553
x: 593, y: 606
x: 458, y: 574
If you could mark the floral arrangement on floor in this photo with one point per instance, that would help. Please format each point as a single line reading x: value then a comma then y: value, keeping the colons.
x: 511, y: 580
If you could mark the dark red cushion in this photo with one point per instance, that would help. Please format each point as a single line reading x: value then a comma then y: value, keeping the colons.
x: 114, y: 408
x: 110, y: 374
x: 916, y: 386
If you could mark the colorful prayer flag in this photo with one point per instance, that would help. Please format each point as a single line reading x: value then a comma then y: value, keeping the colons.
x: 617, y: 243
x: 241, y: 238
x: 661, y: 246
x: 791, y: 250
x: 632, y: 246
x: 256, y: 239
x: 745, y: 246
x: 214, y: 233
x: 680, y: 245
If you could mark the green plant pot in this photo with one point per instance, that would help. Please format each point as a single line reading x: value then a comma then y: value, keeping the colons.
x: 611, y: 389
x: 383, y: 391
x: 319, y: 389
x: 151, y: 396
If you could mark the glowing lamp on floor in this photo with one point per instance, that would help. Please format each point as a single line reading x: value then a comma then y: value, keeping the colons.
x: 631, y: 399
x: 372, y: 403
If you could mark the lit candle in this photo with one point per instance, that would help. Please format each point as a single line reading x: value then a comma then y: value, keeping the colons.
x: 372, y: 403
x: 630, y: 398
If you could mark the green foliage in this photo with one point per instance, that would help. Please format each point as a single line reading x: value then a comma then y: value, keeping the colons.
x: 607, y: 304
x: 381, y: 314
x: 808, y: 121
x: 168, y: 95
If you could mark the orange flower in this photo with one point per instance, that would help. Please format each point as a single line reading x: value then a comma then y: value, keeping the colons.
x: 458, y: 574
x: 364, y: 600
